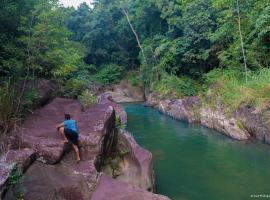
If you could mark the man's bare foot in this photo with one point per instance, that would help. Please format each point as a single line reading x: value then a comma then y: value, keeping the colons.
x: 78, y: 160
x: 65, y: 141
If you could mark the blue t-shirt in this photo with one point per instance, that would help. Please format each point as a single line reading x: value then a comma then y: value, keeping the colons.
x: 71, y: 124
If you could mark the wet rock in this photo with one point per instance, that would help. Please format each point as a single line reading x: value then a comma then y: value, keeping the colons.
x: 109, y: 188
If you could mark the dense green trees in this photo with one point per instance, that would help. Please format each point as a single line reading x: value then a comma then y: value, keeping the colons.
x: 179, y: 47
x: 35, y: 43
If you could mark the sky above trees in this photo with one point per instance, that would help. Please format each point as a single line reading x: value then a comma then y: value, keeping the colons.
x: 74, y: 3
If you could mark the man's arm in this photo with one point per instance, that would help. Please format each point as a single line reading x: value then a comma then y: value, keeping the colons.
x: 60, y: 125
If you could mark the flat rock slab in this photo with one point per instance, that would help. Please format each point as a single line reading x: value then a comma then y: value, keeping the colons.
x: 111, y: 189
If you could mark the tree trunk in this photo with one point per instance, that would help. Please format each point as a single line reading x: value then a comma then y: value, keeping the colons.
x: 135, y: 33
x: 241, y: 39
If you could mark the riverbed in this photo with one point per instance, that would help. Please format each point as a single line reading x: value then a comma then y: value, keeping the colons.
x: 192, y: 162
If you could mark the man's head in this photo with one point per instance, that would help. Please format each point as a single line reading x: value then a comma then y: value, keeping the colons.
x: 67, y: 116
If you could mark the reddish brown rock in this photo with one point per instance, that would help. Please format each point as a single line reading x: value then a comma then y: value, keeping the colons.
x: 22, y: 159
x: 45, y: 90
x: 110, y: 189
x: 137, y: 165
x: 39, y: 129
x: 67, y: 179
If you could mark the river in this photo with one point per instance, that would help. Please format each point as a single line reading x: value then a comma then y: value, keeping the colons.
x: 192, y: 162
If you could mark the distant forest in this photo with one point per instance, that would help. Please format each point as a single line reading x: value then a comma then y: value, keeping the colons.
x: 174, y: 48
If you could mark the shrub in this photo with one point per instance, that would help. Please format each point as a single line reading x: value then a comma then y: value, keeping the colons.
x: 134, y: 78
x: 176, y: 87
x: 233, y: 91
x: 14, y: 180
x: 8, y: 106
x: 74, y: 87
x: 211, y: 77
x: 110, y: 74
x: 87, y: 98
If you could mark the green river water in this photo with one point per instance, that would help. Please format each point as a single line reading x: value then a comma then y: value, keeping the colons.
x: 195, y: 163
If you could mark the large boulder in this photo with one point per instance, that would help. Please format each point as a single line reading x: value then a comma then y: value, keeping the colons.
x: 130, y: 163
x: 39, y: 129
x: 66, y: 179
x: 138, y: 165
x: 256, y: 122
x: 45, y: 91
x: 217, y: 120
x: 20, y: 159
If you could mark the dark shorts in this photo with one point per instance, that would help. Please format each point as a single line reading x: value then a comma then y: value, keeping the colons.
x: 72, y: 136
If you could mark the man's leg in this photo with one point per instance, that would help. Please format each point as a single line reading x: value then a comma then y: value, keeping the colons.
x: 77, y: 152
x: 61, y: 130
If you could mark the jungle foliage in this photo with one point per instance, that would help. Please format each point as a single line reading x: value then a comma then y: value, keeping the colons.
x: 179, y: 47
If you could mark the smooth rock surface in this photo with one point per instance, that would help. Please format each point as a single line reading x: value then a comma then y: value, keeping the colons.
x: 39, y: 129
x: 137, y: 169
x: 45, y: 91
x: 111, y: 189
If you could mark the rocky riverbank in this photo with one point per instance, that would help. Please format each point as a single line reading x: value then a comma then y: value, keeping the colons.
x: 40, y: 166
x: 242, y: 124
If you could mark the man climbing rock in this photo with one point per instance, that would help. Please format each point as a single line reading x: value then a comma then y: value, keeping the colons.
x: 70, y: 132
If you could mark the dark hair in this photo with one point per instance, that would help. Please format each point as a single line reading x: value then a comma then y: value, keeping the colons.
x: 67, y: 116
